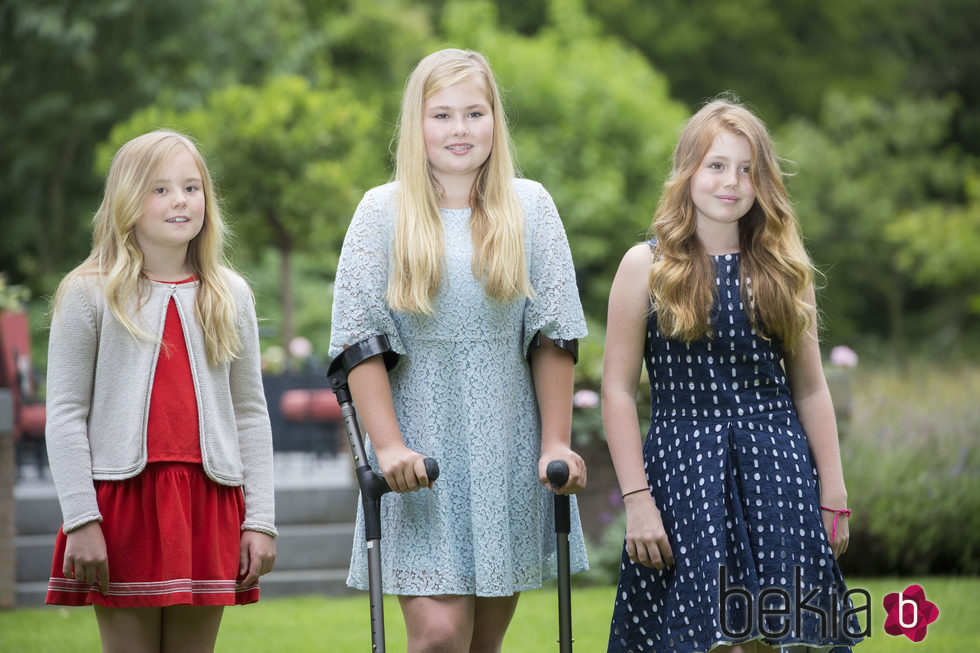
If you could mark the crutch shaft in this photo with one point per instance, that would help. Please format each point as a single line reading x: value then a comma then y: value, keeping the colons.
x: 558, y: 475
x: 376, y: 597
x: 349, y: 415
x: 564, y: 596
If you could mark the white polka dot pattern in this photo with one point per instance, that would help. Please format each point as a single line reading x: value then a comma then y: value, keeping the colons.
x: 729, y: 467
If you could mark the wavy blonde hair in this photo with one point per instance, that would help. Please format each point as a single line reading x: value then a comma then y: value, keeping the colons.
x: 118, y: 261
x: 497, y: 220
x: 682, y: 277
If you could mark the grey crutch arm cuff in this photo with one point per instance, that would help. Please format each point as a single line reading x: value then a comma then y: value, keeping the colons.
x: 570, y: 345
x: 359, y: 352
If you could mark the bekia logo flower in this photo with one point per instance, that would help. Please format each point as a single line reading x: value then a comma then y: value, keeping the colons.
x: 909, y: 613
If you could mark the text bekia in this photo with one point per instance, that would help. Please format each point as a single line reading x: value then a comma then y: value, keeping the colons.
x: 777, y: 612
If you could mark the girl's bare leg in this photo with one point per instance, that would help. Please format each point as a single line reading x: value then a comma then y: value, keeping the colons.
x: 438, y: 624
x: 493, y: 615
x: 178, y: 628
x: 190, y: 628
x: 129, y: 630
x: 456, y: 624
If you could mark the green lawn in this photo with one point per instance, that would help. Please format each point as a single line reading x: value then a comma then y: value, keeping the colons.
x: 339, y: 625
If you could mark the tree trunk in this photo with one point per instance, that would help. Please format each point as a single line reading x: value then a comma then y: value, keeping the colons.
x: 896, y: 321
x: 54, y: 220
x: 286, y: 301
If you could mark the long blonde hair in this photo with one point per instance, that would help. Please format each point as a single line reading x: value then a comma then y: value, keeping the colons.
x: 496, y: 221
x: 118, y: 261
x: 773, y: 258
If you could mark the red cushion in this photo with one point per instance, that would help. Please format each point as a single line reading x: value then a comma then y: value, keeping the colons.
x: 301, y: 405
x: 31, y: 420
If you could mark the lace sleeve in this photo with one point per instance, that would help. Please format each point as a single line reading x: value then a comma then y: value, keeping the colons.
x: 555, y: 310
x: 359, y: 306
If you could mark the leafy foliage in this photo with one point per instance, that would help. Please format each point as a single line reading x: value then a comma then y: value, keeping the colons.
x: 780, y: 55
x: 861, y: 169
x: 69, y: 72
x: 939, y: 243
x: 12, y: 296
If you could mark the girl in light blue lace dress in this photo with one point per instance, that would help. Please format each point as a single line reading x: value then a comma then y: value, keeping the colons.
x: 467, y: 271
x: 736, y: 508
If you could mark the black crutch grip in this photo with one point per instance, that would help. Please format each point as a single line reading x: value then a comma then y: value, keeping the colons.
x: 431, y: 471
x: 557, y: 473
x: 373, y: 486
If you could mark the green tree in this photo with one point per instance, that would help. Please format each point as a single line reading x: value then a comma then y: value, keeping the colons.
x: 867, y: 170
x: 938, y: 43
x: 939, y: 245
x: 69, y: 71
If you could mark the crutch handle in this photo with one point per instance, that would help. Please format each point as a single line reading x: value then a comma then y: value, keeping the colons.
x: 431, y: 471
x: 557, y: 473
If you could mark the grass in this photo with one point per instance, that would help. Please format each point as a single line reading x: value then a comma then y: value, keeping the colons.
x: 339, y: 625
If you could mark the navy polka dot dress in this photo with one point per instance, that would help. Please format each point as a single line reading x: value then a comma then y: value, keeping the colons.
x: 728, y: 465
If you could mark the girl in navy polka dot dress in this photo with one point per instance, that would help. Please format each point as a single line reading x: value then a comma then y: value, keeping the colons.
x: 735, y: 501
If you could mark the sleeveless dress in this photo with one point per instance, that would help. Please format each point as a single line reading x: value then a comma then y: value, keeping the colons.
x: 729, y: 467
x: 463, y: 394
x: 172, y: 534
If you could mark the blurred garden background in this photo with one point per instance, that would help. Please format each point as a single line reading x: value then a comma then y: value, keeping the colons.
x: 874, y: 104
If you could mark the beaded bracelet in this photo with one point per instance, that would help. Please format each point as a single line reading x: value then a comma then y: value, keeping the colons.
x: 642, y: 489
x: 837, y: 514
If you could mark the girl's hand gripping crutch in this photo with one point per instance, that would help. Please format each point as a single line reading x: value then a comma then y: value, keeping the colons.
x: 372, y: 485
x: 558, y: 475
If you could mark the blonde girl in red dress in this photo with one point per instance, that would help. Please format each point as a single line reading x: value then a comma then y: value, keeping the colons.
x: 158, y: 434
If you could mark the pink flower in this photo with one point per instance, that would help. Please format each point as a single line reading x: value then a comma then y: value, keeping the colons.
x: 585, y: 399
x: 843, y: 356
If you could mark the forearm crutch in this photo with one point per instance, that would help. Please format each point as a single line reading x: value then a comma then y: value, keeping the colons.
x: 372, y: 485
x: 558, y: 475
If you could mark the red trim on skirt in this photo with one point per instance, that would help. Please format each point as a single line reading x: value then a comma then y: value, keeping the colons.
x: 173, y: 537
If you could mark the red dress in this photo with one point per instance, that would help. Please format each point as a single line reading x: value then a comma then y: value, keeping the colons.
x: 172, y: 534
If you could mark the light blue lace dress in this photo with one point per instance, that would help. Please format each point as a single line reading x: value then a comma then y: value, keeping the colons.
x: 463, y: 394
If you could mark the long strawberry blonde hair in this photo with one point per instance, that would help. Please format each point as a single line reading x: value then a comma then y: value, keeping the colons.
x: 117, y: 260
x: 496, y: 221
x: 776, y: 272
